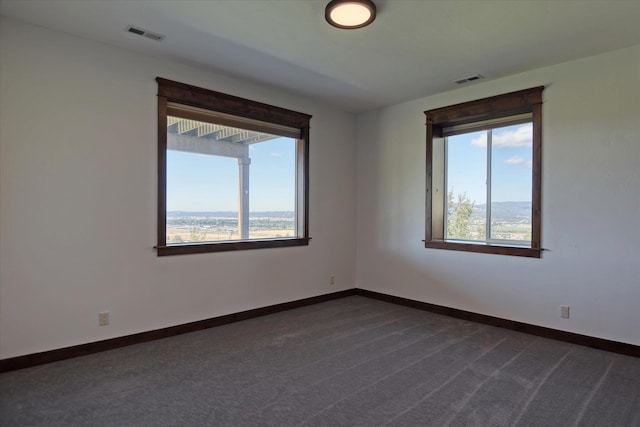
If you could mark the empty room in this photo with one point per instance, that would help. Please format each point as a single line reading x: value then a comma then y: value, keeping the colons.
x: 319, y: 213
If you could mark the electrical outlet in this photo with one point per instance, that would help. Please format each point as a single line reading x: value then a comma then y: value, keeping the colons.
x: 103, y: 318
x: 332, y: 280
x: 564, y: 311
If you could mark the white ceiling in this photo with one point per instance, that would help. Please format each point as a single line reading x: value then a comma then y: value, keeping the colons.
x: 414, y: 48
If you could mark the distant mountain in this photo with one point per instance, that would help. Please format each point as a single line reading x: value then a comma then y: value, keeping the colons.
x: 511, y: 212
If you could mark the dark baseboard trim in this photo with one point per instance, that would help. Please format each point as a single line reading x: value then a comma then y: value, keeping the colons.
x: 35, y: 359
x: 541, y: 331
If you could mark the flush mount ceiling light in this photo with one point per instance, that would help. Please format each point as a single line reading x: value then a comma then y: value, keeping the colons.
x: 350, y: 14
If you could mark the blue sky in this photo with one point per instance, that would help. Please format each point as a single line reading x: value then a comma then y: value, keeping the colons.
x: 204, y: 183
x: 511, y: 164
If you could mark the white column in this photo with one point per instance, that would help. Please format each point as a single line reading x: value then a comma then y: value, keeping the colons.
x: 243, y: 196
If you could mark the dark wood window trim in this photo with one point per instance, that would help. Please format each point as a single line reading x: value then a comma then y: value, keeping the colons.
x: 180, y: 93
x: 510, y: 104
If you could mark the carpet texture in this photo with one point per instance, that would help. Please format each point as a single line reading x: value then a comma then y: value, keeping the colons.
x: 349, y: 362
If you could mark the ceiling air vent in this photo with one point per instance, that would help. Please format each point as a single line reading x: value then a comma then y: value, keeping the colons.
x: 468, y: 79
x: 144, y: 33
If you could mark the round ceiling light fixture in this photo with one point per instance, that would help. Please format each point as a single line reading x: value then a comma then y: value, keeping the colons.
x: 350, y: 14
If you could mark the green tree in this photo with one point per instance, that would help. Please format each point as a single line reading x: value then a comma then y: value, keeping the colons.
x: 459, y: 216
x: 196, y: 236
x: 175, y: 239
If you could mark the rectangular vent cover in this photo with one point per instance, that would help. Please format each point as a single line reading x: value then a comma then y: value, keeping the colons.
x: 144, y: 33
x: 468, y: 79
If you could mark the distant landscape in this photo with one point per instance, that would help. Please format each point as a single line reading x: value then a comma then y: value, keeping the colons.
x: 505, y: 211
x: 509, y: 220
x: 185, y: 227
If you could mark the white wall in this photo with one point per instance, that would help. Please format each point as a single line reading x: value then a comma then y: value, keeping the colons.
x: 590, y: 216
x: 78, y: 200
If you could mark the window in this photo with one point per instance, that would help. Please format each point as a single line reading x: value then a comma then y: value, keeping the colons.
x: 232, y: 173
x: 484, y: 175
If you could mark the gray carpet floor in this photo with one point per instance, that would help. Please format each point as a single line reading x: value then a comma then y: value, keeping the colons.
x: 349, y: 362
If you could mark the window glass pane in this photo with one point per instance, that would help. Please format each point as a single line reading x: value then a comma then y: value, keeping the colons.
x: 466, y: 186
x: 511, y: 182
x: 273, y: 189
x: 226, y: 183
x: 202, y: 198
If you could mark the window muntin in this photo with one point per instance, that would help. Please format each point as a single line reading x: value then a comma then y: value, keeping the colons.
x: 505, y: 130
x: 232, y: 173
